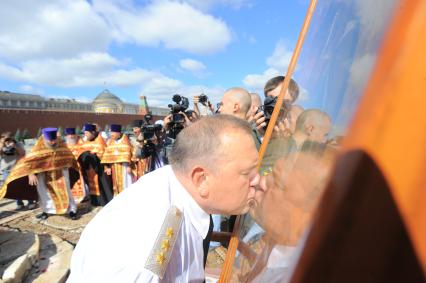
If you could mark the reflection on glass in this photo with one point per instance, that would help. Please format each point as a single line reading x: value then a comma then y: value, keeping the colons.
x: 334, y: 66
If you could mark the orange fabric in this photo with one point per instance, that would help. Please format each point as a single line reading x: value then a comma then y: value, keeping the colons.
x: 140, y: 166
x: 391, y: 122
x: 56, y: 187
x: 97, y: 146
x: 51, y: 161
x: 77, y: 190
x: 118, y: 152
x: 117, y: 178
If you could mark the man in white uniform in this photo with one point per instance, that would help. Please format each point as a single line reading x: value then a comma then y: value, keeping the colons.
x: 154, y: 230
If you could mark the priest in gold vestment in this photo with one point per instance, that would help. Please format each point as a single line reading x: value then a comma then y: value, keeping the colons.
x: 117, y: 159
x: 51, y: 170
x: 89, y: 158
x: 73, y: 142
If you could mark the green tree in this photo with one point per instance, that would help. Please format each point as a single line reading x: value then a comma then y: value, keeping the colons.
x: 26, y: 135
x: 60, y: 131
x: 18, y: 135
x: 78, y: 130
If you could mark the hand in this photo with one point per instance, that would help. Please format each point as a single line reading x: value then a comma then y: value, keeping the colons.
x: 196, y: 99
x: 187, y: 121
x: 129, y: 170
x: 195, y: 116
x: 108, y: 171
x: 167, y: 121
x: 282, y: 129
x: 33, y: 181
x: 259, y: 118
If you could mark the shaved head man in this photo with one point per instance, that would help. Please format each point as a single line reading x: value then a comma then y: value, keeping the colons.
x: 313, y: 125
x: 256, y: 102
x: 236, y: 102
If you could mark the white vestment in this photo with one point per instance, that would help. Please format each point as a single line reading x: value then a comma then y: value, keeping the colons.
x: 116, y: 244
x: 46, y: 202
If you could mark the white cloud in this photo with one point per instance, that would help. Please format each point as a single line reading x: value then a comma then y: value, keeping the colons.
x: 53, y: 29
x: 280, y: 58
x: 59, y: 29
x: 30, y: 89
x: 256, y: 82
x: 195, y: 67
x: 88, y: 69
x: 65, y: 43
x: 277, y: 65
x: 172, y: 24
x: 208, y: 4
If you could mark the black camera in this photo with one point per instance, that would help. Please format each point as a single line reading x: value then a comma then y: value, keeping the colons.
x: 181, y: 103
x: 203, y: 98
x: 178, y: 120
x: 148, y: 132
x: 268, y: 108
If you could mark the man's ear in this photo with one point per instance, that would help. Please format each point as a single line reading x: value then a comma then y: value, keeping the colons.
x: 309, y: 128
x: 199, y: 180
x: 236, y: 108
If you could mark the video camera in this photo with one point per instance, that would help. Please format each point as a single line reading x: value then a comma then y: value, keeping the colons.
x: 148, y: 132
x: 181, y: 103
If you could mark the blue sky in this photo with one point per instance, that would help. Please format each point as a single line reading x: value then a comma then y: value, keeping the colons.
x: 157, y: 48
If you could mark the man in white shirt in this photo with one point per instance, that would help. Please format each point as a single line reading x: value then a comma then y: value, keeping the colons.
x: 154, y: 230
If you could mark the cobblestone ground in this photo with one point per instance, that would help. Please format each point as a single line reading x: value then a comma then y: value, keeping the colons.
x: 59, y: 225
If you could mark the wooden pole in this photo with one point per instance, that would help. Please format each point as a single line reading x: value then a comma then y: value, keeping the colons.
x: 225, y: 275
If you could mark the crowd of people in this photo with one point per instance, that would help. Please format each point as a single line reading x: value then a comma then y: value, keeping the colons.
x: 201, y: 162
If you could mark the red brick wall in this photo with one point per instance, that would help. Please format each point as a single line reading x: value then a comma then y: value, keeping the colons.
x: 32, y: 120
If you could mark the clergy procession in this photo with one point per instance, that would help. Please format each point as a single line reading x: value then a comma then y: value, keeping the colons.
x: 64, y: 171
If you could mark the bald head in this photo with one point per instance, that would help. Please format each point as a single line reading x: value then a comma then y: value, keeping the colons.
x: 205, y: 141
x: 236, y: 101
x: 314, y: 124
x: 256, y: 101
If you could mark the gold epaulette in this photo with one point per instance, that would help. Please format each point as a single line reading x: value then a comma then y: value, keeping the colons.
x: 161, y: 252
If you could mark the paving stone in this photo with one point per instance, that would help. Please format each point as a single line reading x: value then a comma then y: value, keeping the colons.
x: 54, y: 261
x: 18, y: 252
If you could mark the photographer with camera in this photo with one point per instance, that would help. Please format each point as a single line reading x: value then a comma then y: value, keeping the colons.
x: 272, y: 90
x: 174, y: 123
x: 146, y: 147
x: 11, y: 152
x: 206, y: 106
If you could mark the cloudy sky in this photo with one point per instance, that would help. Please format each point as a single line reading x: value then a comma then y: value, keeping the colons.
x: 156, y: 48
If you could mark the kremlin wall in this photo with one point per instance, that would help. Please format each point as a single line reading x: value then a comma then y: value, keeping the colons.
x: 32, y: 112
